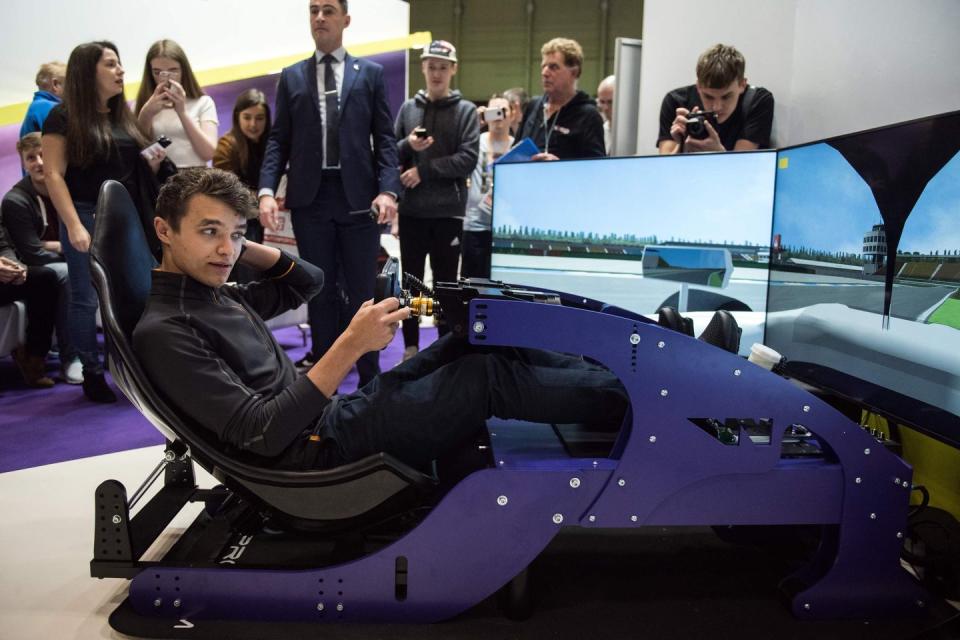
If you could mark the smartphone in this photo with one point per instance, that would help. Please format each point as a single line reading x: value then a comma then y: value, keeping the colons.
x: 494, y: 114
x: 420, y: 132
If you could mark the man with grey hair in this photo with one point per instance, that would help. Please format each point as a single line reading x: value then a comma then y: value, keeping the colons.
x: 605, y: 106
x: 564, y: 121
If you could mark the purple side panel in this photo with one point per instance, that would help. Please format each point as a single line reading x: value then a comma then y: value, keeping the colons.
x: 484, y: 532
x: 671, y: 378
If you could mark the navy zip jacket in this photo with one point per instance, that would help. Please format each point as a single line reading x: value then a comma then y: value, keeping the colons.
x: 209, y: 352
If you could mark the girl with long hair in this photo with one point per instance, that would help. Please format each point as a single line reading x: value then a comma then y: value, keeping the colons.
x: 241, y: 150
x: 89, y: 138
x: 172, y: 104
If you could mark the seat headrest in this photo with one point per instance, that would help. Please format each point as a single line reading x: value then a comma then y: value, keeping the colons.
x: 723, y: 331
x: 120, y: 246
x: 670, y: 318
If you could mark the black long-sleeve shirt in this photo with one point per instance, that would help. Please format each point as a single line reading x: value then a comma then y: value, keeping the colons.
x: 209, y: 352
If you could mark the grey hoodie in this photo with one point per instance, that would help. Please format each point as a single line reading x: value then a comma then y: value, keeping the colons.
x: 443, y: 166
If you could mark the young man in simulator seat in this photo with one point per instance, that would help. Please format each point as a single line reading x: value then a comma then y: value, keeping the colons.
x: 206, y: 348
x: 744, y: 113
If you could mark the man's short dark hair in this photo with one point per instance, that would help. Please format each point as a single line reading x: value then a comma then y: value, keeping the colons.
x: 719, y: 66
x: 213, y: 183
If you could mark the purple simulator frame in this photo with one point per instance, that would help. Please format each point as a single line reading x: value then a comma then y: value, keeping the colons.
x: 663, y: 470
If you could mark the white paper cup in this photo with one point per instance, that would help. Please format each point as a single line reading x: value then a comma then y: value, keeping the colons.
x: 764, y: 356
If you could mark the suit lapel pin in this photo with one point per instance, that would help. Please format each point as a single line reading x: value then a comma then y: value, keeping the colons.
x: 356, y: 67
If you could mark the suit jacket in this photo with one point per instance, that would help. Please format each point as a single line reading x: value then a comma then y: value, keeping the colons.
x: 368, y: 149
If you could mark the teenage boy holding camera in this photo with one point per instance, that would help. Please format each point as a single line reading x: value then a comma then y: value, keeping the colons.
x: 735, y: 116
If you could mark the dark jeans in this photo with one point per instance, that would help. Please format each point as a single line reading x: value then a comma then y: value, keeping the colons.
x: 82, y: 324
x: 440, y: 239
x: 430, y: 404
x: 332, y: 239
x: 476, y: 254
x: 40, y: 293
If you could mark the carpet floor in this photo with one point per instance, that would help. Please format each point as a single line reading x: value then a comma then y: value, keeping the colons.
x: 45, y: 426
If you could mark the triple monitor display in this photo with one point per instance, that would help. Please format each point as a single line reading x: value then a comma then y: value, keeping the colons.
x: 843, y: 254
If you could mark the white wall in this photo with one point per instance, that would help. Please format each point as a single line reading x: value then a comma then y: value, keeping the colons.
x: 834, y: 66
x: 214, y: 33
x: 860, y: 64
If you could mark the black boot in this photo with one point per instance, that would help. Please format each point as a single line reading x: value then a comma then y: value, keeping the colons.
x: 96, y: 389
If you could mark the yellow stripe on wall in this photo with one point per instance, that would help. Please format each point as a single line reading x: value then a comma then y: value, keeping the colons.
x: 14, y: 113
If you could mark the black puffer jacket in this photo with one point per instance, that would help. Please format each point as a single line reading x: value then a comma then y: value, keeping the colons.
x: 445, y: 165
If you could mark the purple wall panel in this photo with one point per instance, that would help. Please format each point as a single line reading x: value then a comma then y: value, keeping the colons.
x: 224, y: 95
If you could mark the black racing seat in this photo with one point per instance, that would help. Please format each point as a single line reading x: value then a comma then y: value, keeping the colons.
x: 670, y: 318
x: 120, y: 268
x: 722, y: 331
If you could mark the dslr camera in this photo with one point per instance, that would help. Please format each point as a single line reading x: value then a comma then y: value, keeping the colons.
x: 695, y: 124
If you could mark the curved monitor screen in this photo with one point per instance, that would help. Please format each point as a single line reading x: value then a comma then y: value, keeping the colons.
x: 865, y: 266
x: 581, y: 226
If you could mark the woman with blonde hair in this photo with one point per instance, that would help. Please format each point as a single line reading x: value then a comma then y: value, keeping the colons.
x: 172, y: 104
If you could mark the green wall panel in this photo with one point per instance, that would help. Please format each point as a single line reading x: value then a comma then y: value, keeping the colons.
x: 498, y: 50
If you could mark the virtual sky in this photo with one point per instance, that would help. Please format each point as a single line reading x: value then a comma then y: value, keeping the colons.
x: 822, y: 203
x: 710, y: 198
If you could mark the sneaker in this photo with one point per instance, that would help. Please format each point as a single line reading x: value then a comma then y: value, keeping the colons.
x: 72, y: 372
x: 96, y: 389
x: 409, y: 352
x: 32, y: 368
x: 306, y: 362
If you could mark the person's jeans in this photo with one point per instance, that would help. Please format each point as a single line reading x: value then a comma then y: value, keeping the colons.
x: 67, y: 352
x: 82, y: 323
x: 426, y: 406
x: 329, y: 237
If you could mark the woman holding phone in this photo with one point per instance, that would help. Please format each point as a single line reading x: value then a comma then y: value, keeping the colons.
x: 89, y: 138
x: 170, y: 103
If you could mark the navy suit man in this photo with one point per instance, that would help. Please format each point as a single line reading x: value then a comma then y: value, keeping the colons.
x: 333, y: 125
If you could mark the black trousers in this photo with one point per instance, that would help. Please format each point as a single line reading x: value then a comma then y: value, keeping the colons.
x: 41, y: 293
x: 345, y: 246
x: 440, y: 239
x: 476, y: 249
x: 424, y: 408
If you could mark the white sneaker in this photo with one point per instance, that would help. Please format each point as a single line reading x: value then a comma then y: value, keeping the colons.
x: 72, y: 372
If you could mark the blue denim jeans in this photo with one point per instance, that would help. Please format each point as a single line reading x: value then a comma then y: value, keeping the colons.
x: 67, y: 352
x: 82, y: 323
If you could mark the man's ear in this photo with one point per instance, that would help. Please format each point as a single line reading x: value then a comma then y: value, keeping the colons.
x: 163, y: 230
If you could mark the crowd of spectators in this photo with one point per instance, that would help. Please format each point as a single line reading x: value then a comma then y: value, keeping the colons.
x: 352, y: 169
